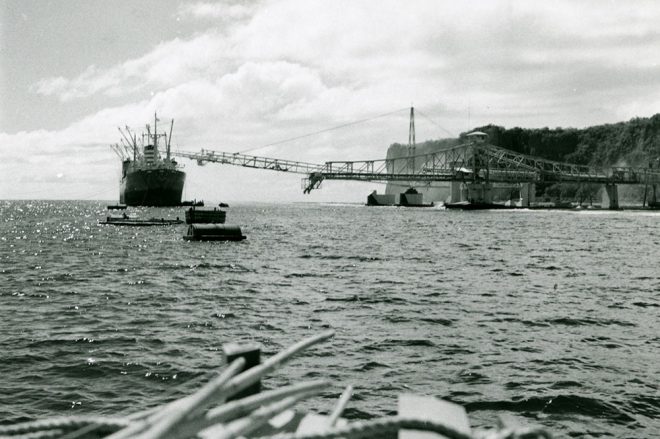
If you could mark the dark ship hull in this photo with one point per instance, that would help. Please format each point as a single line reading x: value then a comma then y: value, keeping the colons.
x: 152, y: 187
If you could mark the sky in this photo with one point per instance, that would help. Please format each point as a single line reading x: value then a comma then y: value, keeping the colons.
x: 239, y: 75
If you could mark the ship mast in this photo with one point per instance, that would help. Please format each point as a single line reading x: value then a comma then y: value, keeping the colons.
x: 169, y: 140
x: 131, y: 144
x: 155, y: 132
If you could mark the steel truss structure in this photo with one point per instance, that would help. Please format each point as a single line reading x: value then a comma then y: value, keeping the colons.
x: 466, y: 162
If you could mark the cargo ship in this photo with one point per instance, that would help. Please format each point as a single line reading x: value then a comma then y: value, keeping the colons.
x: 147, y: 177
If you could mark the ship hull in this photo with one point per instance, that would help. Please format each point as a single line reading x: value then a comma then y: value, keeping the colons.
x: 152, y: 187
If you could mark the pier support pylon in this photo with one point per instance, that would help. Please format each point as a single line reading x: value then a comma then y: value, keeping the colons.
x: 454, y: 192
x: 611, y: 197
x: 481, y: 192
x: 528, y: 194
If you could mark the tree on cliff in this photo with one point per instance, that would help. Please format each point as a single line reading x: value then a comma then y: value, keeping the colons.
x: 633, y: 143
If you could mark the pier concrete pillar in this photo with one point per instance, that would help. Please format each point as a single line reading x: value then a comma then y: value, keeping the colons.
x: 455, y: 192
x: 528, y: 193
x: 480, y: 192
x: 611, y: 197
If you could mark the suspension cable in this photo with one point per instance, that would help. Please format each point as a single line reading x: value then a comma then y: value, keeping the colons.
x: 437, y: 124
x: 357, y: 122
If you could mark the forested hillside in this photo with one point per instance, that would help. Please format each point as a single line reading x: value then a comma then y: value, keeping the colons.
x: 632, y: 143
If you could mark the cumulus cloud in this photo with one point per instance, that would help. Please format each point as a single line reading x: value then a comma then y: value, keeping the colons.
x: 262, y: 72
x: 170, y: 63
x: 441, y: 50
x: 217, y: 10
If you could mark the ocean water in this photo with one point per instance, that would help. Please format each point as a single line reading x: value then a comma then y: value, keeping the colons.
x: 552, y: 316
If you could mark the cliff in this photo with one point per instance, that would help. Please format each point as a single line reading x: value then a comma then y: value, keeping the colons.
x: 436, y: 191
x: 632, y: 143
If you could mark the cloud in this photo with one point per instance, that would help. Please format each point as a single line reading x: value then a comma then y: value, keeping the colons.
x: 262, y: 72
x: 168, y: 64
x: 234, y: 111
x: 423, y: 51
x: 80, y: 152
x: 219, y: 10
x: 46, y: 164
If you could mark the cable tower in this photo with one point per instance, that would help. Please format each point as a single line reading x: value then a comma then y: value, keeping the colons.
x: 411, y: 142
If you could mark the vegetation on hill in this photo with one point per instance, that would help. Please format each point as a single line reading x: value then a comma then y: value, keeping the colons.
x: 634, y: 143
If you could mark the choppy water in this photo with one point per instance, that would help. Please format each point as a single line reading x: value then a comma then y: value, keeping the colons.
x: 552, y: 316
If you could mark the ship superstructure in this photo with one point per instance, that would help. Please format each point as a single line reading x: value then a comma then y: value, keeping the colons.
x: 148, y: 178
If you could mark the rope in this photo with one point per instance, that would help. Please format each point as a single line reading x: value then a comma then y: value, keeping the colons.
x: 378, y: 428
x: 81, y: 432
x: 357, y: 122
x: 62, y: 423
x: 389, y: 425
x: 57, y: 427
x: 518, y: 433
x: 44, y: 434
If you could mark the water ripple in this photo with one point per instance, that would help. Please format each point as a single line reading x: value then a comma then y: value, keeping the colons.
x: 549, y: 315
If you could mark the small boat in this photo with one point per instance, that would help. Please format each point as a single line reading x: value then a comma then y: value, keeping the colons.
x: 468, y: 205
x: 126, y: 220
x: 412, y: 198
x: 213, y: 232
x: 192, y: 203
x: 196, y: 215
x: 116, y: 206
x: 376, y: 199
x: 431, y: 204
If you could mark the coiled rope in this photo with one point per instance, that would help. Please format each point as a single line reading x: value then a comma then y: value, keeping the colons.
x: 376, y: 428
x: 387, y: 426
x: 62, y: 423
